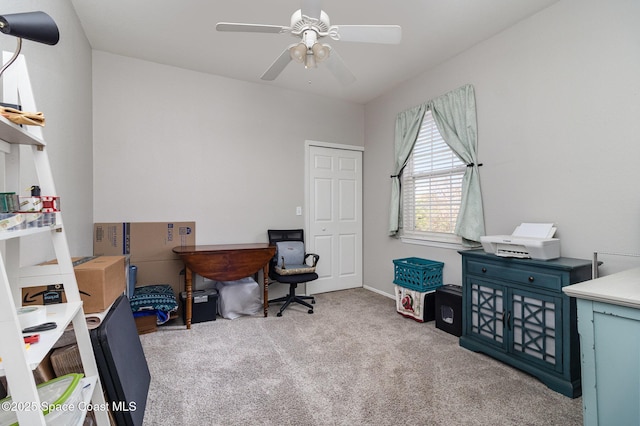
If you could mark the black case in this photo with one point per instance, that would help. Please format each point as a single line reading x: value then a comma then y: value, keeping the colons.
x: 204, y: 305
x: 121, y: 363
x: 448, y: 309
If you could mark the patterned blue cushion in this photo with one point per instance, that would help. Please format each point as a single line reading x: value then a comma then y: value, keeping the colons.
x: 154, y: 297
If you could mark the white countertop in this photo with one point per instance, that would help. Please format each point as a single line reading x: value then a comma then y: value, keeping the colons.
x: 622, y: 288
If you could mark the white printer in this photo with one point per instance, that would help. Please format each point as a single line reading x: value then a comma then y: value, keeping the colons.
x: 529, y: 240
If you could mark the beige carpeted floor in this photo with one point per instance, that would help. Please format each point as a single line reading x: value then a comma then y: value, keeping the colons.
x: 355, y: 361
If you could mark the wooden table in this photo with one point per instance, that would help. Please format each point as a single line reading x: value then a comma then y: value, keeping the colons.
x: 225, y: 262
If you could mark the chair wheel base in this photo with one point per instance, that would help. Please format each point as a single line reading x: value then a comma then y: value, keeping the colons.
x: 279, y: 314
x: 310, y: 311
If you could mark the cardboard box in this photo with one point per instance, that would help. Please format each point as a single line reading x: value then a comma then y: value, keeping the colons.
x: 100, y: 281
x: 162, y: 272
x: 144, y: 241
x: 146, y: 324
x: 149, y: 245
x: 44, y: 371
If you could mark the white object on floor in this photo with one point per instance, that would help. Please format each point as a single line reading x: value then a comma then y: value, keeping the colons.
x: 236, y: 298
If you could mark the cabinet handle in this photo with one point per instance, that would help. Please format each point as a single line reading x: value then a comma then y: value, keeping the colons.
x: 509, y: 320
x: 484, y: 269
x: 530, y: 279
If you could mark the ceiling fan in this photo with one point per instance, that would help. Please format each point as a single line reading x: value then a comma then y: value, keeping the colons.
x: 311, y: 24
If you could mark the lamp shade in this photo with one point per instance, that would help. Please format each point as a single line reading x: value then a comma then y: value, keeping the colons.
x: 298, y: 52
x: 34, y: 26
x: 320, y: 51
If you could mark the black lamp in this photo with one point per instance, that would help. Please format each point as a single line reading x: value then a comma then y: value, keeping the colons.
x: 34, y: 26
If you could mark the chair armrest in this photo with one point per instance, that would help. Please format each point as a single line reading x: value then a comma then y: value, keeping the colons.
x: 315, y: 258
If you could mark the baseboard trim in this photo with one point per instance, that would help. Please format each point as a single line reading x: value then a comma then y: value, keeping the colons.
x: 375, y: 290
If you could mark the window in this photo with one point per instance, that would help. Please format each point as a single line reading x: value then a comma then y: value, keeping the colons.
x: 431, y: 187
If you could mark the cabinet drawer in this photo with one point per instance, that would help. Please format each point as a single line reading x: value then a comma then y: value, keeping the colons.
x: 518, y: 275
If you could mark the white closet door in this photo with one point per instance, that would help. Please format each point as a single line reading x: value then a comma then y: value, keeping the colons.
x: 334, y: 217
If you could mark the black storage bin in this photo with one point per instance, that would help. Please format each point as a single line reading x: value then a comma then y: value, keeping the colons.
x: 448, y: 309
x: 204, y: 306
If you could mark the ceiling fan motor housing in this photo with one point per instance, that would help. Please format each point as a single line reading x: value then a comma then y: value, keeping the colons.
x: 301, y: 23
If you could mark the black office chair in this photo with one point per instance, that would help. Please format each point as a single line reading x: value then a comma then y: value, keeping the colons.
x: 292, y: 280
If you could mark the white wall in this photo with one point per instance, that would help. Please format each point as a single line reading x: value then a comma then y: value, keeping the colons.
x: 60, y: 76
x: 557, y: 99
x: 558, y: 132
x: 171, y: 144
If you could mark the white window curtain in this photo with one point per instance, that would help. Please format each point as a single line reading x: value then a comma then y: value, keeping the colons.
x: 455, y: 117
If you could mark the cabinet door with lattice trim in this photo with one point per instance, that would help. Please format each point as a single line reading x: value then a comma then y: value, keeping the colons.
x: 535, y: 321
x: 487, y: 313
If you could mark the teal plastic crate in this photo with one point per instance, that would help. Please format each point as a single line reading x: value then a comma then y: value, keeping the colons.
x: 418, y: 274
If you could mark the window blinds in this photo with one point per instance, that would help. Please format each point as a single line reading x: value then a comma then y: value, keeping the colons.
x: 432, y: 183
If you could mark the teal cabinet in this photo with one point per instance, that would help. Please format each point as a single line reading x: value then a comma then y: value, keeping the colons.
x: 609, y: 328
x: 514, y: 310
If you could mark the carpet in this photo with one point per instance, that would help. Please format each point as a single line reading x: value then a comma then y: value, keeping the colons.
x: 355, y: 361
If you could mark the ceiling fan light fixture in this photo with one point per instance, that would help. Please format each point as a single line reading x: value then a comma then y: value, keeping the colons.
x: 320, y: 52
x: 310, y: 61
x: 298, y: 52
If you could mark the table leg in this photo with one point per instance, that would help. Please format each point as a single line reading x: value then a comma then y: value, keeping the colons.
x: 265, y: 296
x: 188, y: 281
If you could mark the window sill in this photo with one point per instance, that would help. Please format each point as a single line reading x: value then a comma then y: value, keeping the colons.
x: 451, y: 245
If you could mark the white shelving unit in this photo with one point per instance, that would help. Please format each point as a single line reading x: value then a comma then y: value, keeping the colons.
x: 18, y: 362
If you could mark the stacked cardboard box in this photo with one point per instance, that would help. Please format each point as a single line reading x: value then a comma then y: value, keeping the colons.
x: 100, y: 281
x: 149, y: 245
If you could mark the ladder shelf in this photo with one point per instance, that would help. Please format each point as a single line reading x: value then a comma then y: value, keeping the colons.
x: 17, y: 362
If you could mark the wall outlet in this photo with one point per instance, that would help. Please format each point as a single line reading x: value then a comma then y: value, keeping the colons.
x: 298, y: 211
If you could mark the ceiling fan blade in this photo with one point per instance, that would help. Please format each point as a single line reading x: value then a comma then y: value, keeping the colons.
x: 337, y: 67
x: 311, y: 8
x: 278, y: 66
x: 250, y: 28
x: 384, y: 34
